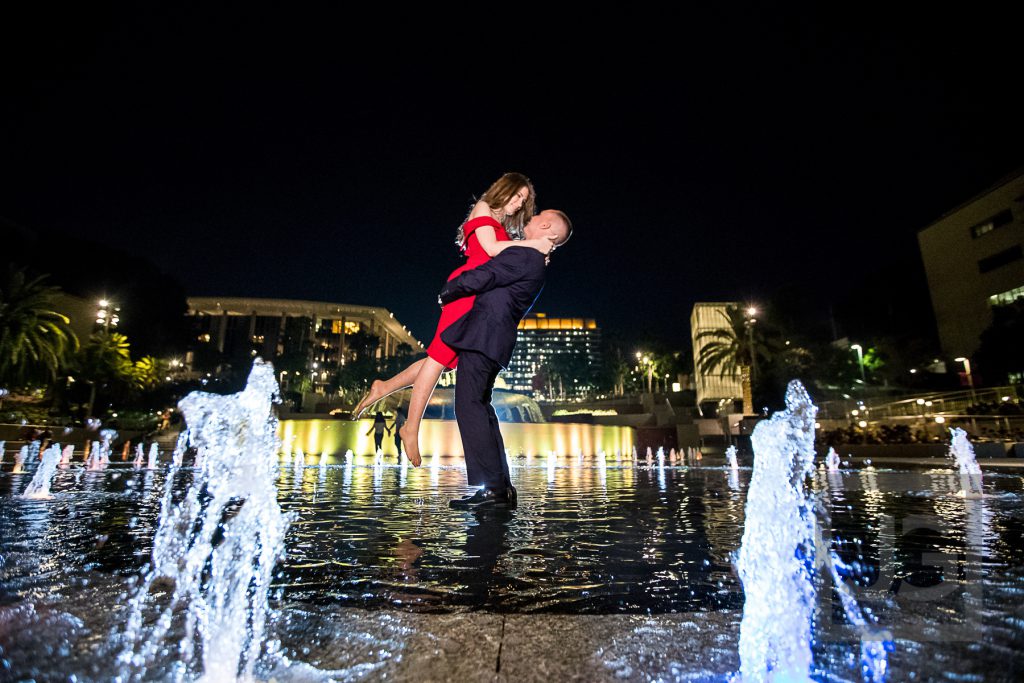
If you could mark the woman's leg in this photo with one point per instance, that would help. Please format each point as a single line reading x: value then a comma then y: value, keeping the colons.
x: 422, y: 388
x: 383, y: 388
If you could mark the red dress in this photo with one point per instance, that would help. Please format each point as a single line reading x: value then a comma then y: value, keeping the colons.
x: 475, y: 256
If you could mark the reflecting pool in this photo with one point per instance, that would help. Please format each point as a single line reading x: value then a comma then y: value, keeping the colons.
x: 942, y: 571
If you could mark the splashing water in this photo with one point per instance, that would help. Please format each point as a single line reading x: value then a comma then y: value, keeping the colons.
x: 2, y: 445
x: 139, y: 455
x: 180, y: 446
x: 39, y: 487
x: 66, y: 455
x: 874, y: 644
x: 776, y: 557
x: 95, y: 461
x: 730, y: 456
x: 19, y: 460
x: 832, y: 460
x: 220, y: 588
x: 154, y: 453
x: 962, y: 451
x: 33, y: 451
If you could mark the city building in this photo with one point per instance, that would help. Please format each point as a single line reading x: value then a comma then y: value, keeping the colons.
x: 974, y: 260
x: 712, y: 388
x: 322, y: 335
x: 555, y: 358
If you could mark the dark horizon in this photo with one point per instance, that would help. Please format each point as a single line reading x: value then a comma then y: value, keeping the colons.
x: 262, y: 155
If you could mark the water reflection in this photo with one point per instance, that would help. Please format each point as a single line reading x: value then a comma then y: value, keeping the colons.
x: 595, y: 538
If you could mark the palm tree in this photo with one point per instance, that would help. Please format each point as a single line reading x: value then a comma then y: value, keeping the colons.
x: 106, y: 359
x: 733, y: 350
x: 35, y: 340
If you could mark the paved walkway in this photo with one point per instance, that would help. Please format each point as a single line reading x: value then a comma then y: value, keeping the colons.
x: 475, y: 646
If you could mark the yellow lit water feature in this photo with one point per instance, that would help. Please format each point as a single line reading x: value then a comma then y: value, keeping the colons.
x: 441, y: 437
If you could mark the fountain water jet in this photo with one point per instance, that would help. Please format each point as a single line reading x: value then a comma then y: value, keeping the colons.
x: 154, y: 453
x: 33, y: 450
x: 832, y: 460
x: 776, y: 558
x: 962, y: 451
x: 19, y: 460
x: 730, y: 456
x: 220, y: 589
x: 39, y: 487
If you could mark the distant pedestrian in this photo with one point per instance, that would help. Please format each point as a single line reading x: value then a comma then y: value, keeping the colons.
x: 380, y: 425
x: 396, y: 425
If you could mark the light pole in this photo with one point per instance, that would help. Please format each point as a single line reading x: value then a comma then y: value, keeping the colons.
x: 749, y: 324
x: 107, y: 314
x: 860, y: 360
x: 646, y: 361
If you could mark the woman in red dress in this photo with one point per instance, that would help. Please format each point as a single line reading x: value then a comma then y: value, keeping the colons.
x: 494, y: 224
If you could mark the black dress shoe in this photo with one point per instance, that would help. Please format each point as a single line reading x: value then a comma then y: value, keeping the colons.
x: 482, y: 498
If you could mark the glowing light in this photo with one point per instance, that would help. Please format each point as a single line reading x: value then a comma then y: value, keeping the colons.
x: 939, y: 419
x: 862, y: 424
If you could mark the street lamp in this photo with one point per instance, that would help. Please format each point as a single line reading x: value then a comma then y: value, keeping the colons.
x: 860, y: 360
x: 646, y: 361
x: 107, y: 314
x: 749, y: 324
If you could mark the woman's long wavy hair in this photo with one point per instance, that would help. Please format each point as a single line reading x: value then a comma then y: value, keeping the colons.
x: 499, y: 194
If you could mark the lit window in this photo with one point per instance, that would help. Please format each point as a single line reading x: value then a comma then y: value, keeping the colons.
x: 1007, y: 297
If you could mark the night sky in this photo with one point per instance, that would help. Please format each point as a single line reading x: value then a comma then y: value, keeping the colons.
x: 726, y: 155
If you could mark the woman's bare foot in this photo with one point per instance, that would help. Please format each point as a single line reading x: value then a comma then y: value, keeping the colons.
x: 410, y: 442
x: 375, y: 394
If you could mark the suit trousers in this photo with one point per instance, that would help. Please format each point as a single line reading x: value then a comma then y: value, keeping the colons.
x: 486, y: 464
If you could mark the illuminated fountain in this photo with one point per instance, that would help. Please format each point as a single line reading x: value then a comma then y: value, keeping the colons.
x: 730, y: 457
x: 154, y: 453
x: 33, y: 450
x: 962, y: 452
x: 832, y: 460
x: 19, y: 460
x: 2, y: 445
x: 217, y: 608
x: 777, y: 556
x: 39, y: 487
x: 140, y: 454
x: 66, y: 455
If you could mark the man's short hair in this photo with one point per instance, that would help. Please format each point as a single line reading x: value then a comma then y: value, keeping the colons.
x: 568, y: 223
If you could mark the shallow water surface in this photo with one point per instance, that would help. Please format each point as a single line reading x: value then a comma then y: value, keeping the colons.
x: 941, y: 571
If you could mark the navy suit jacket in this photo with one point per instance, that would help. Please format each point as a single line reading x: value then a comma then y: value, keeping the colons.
x: 505, y: 289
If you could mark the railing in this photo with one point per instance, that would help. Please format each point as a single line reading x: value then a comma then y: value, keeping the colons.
x: 918, y: 405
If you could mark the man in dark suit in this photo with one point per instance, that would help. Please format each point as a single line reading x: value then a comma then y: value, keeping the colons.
x: 505, y: 289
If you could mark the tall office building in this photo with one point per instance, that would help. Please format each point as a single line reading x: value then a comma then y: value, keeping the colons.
x: 974, y: 260
x: 555, y: 357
